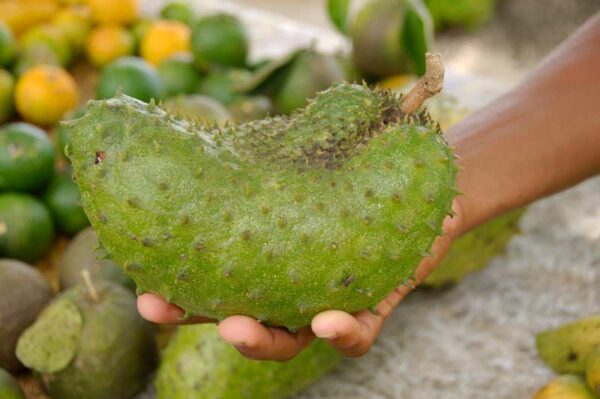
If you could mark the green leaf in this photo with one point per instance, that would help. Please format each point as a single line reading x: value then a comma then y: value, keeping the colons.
x: 51, y: 343
x: 417, y: 35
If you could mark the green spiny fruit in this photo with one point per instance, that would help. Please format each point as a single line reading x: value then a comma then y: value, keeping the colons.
x: 278, y: 219
x: 566, y: 386
x: 9, y: 388
x: 592, y: 370
x: 391, y: 36
x: 25, y: 291
x: 90, y: 342
x: 475, y: 249
x: 565, y: 349
x: 198, y: 364
x: 84, y: 253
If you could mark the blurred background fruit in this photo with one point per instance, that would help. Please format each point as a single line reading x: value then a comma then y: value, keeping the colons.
x: 83, y: 253
x: 76, y: 23
x: 250, y: 108
x: 133, y: 76
x: 466, y: 14
x: 26, y: 228
x: 178, y: 11
x: 52, y: 37
x: 64, y: 202
x: 219, y: 40
x: 164, y: 39
x: 8, y: 46
x: 114, y: 11
x: 33, y: 56
x: 45, y: 93
x: 25, y: 292
x: 106, y: 43
x: 224, y: 85
x: 178, y: 74
x: 198, y: 108
x: 338, y: 12
x: 9, y: 388
x: 63, y: 134
x: 391, y: 37
x: 7, y: 92
x: 26, y: 158
x: 21, y: 15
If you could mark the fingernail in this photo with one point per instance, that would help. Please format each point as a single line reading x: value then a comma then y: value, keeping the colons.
x: 328, y: 335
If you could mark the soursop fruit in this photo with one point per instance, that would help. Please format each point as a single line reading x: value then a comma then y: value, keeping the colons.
x: 198, y: 364
x: 9, y: 388
x: 278, y: 219
x: 91, y: 343
x: 566, y: 349
x: 23, y: 294
x: 472, y: 251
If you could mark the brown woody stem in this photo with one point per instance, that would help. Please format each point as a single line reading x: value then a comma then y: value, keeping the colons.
x: 427, y: 86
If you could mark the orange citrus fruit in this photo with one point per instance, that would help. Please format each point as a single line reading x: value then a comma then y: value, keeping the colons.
x: 44, y: 93
x: 107, y: 43
x: 164, y: 39
x: 114, y: 11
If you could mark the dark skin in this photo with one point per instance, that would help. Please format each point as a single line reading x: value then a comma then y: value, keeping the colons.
x: 538, y: 139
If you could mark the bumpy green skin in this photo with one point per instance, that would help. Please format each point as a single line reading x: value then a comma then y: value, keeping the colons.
x: 468, y: 14
x: 566, y: 386
x: 475, y: 249
x: 566, y: 349
x: 24, y: 293
x: 115, y: 353
x: 9, y: 388
x: 198, y: 364
x: 277, y: 219
x: 83, y: 253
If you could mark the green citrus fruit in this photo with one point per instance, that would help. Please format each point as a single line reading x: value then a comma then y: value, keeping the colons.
x: 222, y: 85
x: 179, y: 75
x: 63, y: 200
x: 178, y: 11
x: 133, y: 76
x: 26, y: 158
x: 26, y: 229
x: 219, y: 40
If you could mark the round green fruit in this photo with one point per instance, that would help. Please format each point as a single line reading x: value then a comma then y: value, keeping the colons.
x: 90, y: 342
x: 223, y: 84
x: 35, y: 55
x: 63, y: 134
x: 25, y: 292
x: 178, y: 11
x: 179, y: 75
x: 26, y: 228
x: 63, y: 200
x: 132, y: 76
x: 84, y: 253
x: 26, y: 158
x: 219, y: 40
x: 250, y: 108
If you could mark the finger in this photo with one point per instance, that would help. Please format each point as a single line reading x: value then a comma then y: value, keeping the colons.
x: 256, y: 341
x: 155, y: 309
x: 353, y: 335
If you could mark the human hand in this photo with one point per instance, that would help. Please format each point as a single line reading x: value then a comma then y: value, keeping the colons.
x: 351, y: 334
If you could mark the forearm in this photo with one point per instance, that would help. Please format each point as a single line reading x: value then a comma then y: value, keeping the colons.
x: 538, y: 139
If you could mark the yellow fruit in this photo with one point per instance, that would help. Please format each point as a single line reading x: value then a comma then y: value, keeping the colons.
x: 44, y: 93
x: 76, y: 22
x: 592, y: 371
x: 20, y: 15
x: 568, y: 386
x: 114, y: 11
x: 107, y: 43
x: 398, y: 81
x: 164, y: 39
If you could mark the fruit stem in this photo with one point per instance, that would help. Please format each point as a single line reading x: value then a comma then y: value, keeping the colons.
x: 87, y: 280
x: 427, y: 86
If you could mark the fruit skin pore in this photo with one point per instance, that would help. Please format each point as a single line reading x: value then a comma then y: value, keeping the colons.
x: 198, y: 364
x: 278, y: 219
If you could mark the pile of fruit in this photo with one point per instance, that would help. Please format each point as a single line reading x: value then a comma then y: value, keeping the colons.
x: 573, y: 351
x: 139, y: 181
